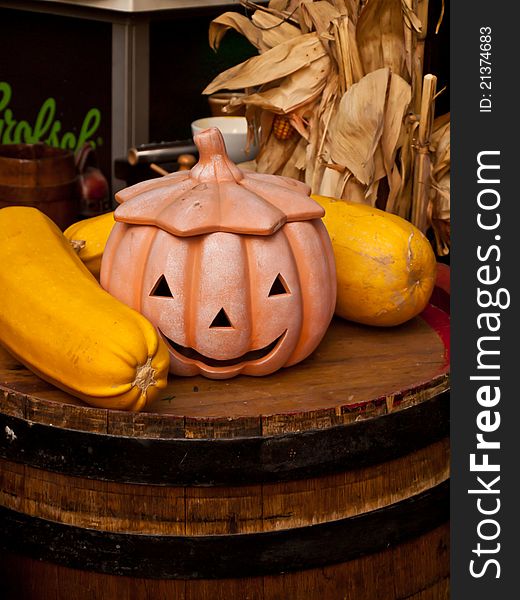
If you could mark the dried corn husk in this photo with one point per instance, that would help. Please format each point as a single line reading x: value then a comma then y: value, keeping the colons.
x: 238, y: 22
x: 317, y: 16
x: 345, y: 50
x: 411, y: 19
x: 347, y: 74
x: 318, y: 153
x: 260, y: 31
x: 278, y: 62
x: 273, y: 31
x: 398, y: 101
x: 279, y: 5
x: 440, y: 214
x: 283, y: 6
x: 400, y: 198
x: 357, y: 125
x: 296, y: 90
x: 275, y: 154
x: 380, y: 37
x: 351, y: 8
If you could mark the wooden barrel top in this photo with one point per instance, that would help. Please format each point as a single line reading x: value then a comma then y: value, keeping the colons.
x: 357, y: 372
x: 349, y: 456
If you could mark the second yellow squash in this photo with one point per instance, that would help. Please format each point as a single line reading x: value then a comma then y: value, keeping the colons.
x: 385, y: 267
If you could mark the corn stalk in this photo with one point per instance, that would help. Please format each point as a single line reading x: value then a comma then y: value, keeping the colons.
x: 346, y: 76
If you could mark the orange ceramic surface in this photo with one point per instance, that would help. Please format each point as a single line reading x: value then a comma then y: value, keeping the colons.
x: 235, y: 269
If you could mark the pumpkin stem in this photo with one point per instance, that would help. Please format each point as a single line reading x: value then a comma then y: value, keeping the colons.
x: 214, y: 163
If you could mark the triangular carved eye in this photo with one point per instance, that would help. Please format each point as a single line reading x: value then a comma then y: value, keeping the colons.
x: 221, y: 320
x: 161, y: 288
x: 279, y: 286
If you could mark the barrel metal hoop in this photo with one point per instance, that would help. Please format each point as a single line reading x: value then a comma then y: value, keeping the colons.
x: 222, y: 556
x: 232, y: 461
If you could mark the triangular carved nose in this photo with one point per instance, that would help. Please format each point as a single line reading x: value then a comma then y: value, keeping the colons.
x: 221, y: 320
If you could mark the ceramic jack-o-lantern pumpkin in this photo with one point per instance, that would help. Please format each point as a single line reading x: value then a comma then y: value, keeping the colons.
x: 234, y: 268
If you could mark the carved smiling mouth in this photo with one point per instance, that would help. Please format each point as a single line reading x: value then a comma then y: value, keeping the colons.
x: 192, y: 354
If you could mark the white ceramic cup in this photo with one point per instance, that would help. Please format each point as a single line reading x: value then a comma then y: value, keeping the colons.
x: 234, y: 132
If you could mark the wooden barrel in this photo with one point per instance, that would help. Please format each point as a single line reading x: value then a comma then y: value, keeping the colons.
x: 325, y: 480
x: 41, y: 176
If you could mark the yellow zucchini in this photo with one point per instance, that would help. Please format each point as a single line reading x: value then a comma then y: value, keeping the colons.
x: 58, y: 321
x: 89, y: 238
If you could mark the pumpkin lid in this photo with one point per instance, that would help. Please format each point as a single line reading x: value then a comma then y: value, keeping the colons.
x: 216, y: 196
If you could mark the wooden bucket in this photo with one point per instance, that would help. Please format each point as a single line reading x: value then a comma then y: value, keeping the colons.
x: 325, y: 480
x: 41, y: 176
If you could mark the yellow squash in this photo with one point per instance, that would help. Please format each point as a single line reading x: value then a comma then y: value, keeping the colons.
x: 57, y: 320
x: 89, y: 238
x: 385, y: 266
